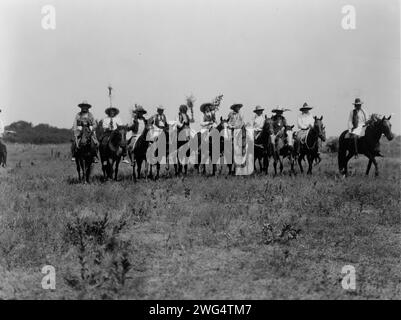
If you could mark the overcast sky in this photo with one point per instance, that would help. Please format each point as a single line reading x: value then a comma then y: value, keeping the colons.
x: 268, y: 53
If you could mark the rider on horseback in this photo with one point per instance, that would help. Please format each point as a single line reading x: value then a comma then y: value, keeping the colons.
x: 258, y: 121
x: 356, y: 123
x: 235, y: 120
x: 138, y: 125
x: 111, y: 123
x: 2, y: 130
x: 160, y: 119
x: 84, y: 117
x: 208, y: 120
x: 279, y: 124
x: 305, y: 123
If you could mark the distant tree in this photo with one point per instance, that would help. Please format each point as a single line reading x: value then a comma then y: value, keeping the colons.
x: 40, y: 134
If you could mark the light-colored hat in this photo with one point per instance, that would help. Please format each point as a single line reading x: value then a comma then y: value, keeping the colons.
x: 84, y: 104
x: 107, y: 111
x: 236, y: 105
x: 358, y: 102
x: 305, y: 107
x: 258, y: 108
x: 160, y: 108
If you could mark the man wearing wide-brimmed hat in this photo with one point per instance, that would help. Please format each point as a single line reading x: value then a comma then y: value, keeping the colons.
x: 83, y: 118
x: 208, y: 121
x: 112, y: 121
x: 138, y: 125
x: 258, y: 120
x: 279, y: 121
x: 235, y: 120
x: 356, y: 122
x: 160, y: 119
x: 305, y: 122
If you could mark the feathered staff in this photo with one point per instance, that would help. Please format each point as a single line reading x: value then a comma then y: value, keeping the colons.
x: 110, y: 88
x: 190, y: 104
x: 216, y: 101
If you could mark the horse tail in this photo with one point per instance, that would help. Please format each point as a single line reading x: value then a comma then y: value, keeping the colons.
x: 342, y: 151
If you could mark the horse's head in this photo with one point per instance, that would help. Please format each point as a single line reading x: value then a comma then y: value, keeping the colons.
x: 268, y: 126
x: 85, y: 134
x: 223, y: 124
x: 386, y: 128
x: 289, y: 135
x: 118, y: 136
x: 320, y: 128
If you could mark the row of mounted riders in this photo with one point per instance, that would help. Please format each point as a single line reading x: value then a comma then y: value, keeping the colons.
x: 267, y: 144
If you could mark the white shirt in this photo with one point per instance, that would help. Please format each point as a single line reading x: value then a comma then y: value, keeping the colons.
x: 116, y: 121
x: 258, y: 122
x: 362, y: 118
x: 305, y: 120
x: 1, y: 128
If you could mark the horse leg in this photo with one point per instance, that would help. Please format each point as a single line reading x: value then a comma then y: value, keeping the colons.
x: 157, y: 170
x: 88, y: 170
x: 300, y: 163
x: 281, y: 164
x: 376, y: 167
x: 369, y: 165
x: 116, y: 169
x: 78, y: 169
x: 310, y: 163
x: 139, y: 167
x: 133, y: 171
x: 214, y: 170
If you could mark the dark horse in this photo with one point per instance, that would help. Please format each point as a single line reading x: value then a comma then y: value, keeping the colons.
x: 264, y: 146
x: 368, y: 144
x: 137, y: 153
x: 111, y: 149
x: 84, y: 151
x: 310, y: 147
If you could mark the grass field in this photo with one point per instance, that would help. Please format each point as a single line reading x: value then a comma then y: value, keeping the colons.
x: 198, y: 237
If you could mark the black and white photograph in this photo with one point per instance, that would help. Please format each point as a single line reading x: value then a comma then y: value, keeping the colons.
x: 200, y: 155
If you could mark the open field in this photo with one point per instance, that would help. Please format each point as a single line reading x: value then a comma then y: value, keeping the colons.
x: 198, y: 237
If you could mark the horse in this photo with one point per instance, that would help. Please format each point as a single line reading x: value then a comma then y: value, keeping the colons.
x: 111, y: 149
x: 84, y: 151
x: 3, y: 154
x: 220, y: 128
x: 264, y: 146
x: 310, y: 148
x: 368, y: 144
x: 137, y: 152
x: 286, y: 150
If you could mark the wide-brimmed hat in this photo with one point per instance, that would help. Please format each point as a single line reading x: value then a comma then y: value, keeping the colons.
x: 305, y: 107
x: 139, y: 109
x: 236, y: 105
x: 258, y: 108
x: 206, y: 105
x: 160, y: 108
x: 358, y: 102
x: 84, y: 104
x: 107, y: 111
x: 279, y: 110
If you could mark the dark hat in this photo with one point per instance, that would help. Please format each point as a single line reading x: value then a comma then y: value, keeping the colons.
x: 305, y: 107
x: 139, y: 109
x: 258, y: 108
x: 107, y: 111
x: 183, y: 108
x: 206, y: 105
x: 358, y: 102
x: 278, y: 110
x: 236, y: 105
x: 84, y: 104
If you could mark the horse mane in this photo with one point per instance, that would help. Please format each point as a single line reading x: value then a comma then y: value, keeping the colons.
x: 374, y: 119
